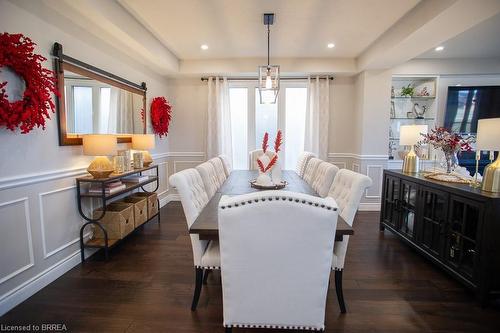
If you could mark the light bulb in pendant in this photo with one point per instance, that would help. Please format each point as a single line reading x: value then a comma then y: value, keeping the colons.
x: 269, y: 82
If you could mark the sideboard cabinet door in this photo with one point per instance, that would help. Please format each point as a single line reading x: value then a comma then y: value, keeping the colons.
x: 408, y: 208
x: 461, y: 251
x: 390, y: 209
x: 432, y: 220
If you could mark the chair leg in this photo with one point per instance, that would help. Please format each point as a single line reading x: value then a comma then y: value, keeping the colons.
x: 338, y: 289
x: 197, y: 288
x: 205, y: 277
x: 229, y: 330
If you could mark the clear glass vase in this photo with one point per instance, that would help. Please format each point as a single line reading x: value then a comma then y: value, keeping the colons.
x: 450, y: 161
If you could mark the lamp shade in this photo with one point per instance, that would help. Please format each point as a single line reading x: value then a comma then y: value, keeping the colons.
x: 488, y: 134
x: 143, y: 141
x: 410, y: 135
x: 99, y: 144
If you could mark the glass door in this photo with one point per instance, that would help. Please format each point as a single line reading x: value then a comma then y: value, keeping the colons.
x: 408, y: 208
x: 391, y: 200
x: 433, y: 220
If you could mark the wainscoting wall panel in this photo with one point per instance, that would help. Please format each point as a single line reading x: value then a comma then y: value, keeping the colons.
x: 16, y: 243
x: 370, y: 165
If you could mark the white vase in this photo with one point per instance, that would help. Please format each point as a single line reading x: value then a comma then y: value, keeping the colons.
x: 264, y: 180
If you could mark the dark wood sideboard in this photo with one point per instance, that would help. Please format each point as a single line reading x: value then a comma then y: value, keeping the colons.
x: 454, y: 225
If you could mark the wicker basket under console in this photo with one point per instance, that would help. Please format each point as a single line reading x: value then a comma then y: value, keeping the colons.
x: 118, y: 220
x: 140, y: 208
x: 152, y: 202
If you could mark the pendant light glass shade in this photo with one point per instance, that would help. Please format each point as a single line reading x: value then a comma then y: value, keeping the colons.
x: 269, y: 83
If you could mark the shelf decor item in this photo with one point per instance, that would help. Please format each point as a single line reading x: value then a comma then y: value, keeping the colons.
x: 138, y: 160
x: 32, y: 109
x: 407, y: 91
x: 100, y: 146
x: 450, y: 143
x: 410, y: 136
x: 488, y: 138
x: 161, y: 114
x: 126, y: 158
x: 144, y: 142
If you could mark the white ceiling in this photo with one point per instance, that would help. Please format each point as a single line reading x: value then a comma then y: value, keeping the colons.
x: 481, y: 41
x: 234, y: 28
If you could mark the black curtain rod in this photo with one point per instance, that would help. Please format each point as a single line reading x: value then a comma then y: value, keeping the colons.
x: 256, y: 79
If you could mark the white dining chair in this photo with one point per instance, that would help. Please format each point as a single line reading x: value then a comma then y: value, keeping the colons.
x: 254, y: 155
x: 323, y: 178
x: 273, y: 276
x: 302, y: 161
x: 209, y: 177
x: 194, y: 198
x: 228, y: 166
x: 310, y: 171
x: 347, y: 189
x: 219, y: 169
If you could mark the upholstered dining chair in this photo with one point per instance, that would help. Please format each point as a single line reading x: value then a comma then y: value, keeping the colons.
x: 209, y: 178
x: 219, y: 169
x: 194, y: 198
x: 254, y: 155
x: 323, y: 178
x: 304, y: 157
x: 228, y: 166
x: 273, y: 276
x: 310, y: 171
x: 347, y: 189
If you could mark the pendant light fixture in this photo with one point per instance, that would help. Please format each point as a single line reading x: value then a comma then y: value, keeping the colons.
x: 269, y: 75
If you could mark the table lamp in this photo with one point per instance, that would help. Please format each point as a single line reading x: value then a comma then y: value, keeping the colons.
x: 144, y: 142
x: 99, y: 145
x: 410, y: 135
x: 488, y: 138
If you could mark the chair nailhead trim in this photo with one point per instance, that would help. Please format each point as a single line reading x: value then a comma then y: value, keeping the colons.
x: 310, y: 203
x: 275, y: 326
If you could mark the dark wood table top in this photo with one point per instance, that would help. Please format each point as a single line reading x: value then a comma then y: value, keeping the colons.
x: 238, y: 182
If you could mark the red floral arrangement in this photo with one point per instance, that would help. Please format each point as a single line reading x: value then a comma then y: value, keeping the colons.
x: 16, y: 52
x: 277, y: 145
x: 161, y: 114
x: 439, y: 137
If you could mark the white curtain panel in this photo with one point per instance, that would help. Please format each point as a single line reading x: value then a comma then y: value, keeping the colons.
x: 219, y: 119
x: 317, y: 117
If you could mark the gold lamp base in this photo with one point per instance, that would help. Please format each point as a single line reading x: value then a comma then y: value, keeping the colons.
x: 491, y: 176
x: 100, y: 167
x: 411, y: 162
x: 147, y: 159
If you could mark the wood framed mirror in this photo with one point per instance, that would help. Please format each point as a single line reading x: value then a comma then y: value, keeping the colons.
x: 93, y: 101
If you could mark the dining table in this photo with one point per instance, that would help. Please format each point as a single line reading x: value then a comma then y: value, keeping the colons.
x: 206, y: 224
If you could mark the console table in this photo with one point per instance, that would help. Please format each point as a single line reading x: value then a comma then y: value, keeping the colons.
x: 456, y: 226
x: 82, y: 184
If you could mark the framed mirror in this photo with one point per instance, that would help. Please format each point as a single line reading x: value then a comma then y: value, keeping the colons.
x: 93, y: 101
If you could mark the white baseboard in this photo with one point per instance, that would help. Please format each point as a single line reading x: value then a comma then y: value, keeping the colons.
x: 369, y: 207
x: 22, y: 292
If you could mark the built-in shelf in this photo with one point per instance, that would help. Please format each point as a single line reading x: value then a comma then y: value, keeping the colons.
x: 410, y: 110
x: 402, y: 118
x: 413, y: 97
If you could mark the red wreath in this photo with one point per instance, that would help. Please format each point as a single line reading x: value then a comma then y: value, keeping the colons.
x: 16, y: 52
x: 161, y: 113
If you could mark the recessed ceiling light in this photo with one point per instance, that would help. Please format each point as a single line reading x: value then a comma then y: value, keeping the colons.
x: 439, y: 48
x: 330, y: 45
x: 204, y: 47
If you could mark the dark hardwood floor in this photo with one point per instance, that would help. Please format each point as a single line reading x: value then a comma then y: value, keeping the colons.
x: 147, y: 286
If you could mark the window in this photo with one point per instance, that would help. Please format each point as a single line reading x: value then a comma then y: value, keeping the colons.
x: 250, y: 120
x: 82, y: 106
x: 295, y: 108
x: 238, y: 103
